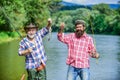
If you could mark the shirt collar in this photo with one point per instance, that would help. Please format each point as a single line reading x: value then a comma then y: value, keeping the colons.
x: 85, y: 34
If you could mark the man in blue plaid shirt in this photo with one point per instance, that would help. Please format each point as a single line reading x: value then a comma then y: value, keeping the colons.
x: 32, y: 48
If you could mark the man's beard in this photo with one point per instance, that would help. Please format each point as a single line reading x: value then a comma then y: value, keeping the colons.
x: 31, y: 36
x: 79, y: 33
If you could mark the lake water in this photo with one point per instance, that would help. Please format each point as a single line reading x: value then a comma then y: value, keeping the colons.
x: 105, y: 68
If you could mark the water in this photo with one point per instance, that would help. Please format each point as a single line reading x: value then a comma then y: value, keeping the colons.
x: 11, y: 65
x: 106, y: 68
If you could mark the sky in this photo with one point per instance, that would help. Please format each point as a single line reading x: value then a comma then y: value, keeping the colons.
x: 92, y: 1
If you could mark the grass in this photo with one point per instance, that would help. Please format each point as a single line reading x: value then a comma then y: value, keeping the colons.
x: 8, y: 36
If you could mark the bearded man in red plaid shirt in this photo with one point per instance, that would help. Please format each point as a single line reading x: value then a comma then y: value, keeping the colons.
x: 80, y: 47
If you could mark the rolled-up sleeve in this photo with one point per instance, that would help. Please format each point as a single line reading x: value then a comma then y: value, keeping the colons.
x: 63, y: 38
x: 44, y: 31
x: 91, y: 46
x: 21, y: 48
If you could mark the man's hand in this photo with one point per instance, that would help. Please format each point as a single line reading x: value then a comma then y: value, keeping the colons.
x: 95, y: 55
x: 49, y: 23
x: 41, y: 67
x: 27, y: 51
x: 62, y: 26
x: 30, y: 50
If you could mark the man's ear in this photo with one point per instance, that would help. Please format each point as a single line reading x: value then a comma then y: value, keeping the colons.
x: 84, y: 28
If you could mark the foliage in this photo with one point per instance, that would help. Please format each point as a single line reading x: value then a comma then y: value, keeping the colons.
x: 8, y: 36
x: 100, y: 18
x: 15, y: 13
x: 102, y: 8
x: 3, y: 35
x: 116, y: 25
x: 97, y: 21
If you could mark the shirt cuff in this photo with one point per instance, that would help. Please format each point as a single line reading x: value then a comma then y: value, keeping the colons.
x: 46, y: 30
x: 60, y: 34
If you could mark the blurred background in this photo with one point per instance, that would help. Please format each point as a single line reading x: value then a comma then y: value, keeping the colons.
x: 103, y: 24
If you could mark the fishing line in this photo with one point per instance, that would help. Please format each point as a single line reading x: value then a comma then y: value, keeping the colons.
x: 50, y: 34
x: 94, y: 41
x: 12, y: 25
x: 50, y: 29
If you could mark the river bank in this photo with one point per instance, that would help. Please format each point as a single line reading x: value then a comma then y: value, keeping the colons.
x: 9, y: 36
x: 13, y: 66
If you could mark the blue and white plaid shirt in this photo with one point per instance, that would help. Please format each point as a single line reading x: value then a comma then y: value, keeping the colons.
x: 37, y: 56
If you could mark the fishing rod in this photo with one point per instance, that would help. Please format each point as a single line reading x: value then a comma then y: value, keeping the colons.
x: 93, y: 35
x: 12, y: 25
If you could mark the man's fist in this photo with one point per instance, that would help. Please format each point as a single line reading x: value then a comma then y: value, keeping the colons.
x: 95, y: 55
x: 62, y: 25
x: 49, y: 20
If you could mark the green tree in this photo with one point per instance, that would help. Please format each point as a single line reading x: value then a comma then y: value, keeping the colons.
x: 103, y: 8
x: 100, y: 24
x: 116, y: 25
x: 12, y: 12
x: 17, y: 12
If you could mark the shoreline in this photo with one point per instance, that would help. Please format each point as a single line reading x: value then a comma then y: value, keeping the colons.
x: 8, y: 40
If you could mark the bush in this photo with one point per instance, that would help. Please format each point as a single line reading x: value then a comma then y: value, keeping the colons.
x: 3, y: 35
x: 14, y: 34
x: 8, y: 36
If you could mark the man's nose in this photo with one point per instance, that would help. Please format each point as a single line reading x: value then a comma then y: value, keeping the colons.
x: 79, y: 28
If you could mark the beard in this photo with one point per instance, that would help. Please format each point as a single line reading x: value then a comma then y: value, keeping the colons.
x: 79, y: 33
x: 31, y: 36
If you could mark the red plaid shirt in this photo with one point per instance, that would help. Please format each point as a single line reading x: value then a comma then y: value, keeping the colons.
x: 78, y: 49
